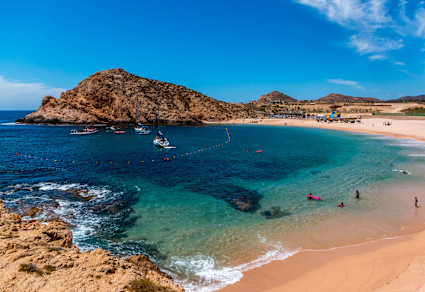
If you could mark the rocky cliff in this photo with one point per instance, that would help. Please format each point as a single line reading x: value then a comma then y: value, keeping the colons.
x: 38, y: 257
x: 335, y: 97
x: 274, y: 96
x: 111, y: 97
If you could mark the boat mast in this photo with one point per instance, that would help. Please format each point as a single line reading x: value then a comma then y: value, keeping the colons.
x: 138, y: 116
x: 157, y: 107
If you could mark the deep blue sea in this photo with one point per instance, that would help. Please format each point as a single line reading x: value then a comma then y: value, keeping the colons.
x: 185, y: 212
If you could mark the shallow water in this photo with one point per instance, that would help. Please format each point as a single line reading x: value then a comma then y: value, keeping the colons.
x: 183, y: 213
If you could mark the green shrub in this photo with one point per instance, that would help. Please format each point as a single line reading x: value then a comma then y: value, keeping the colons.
x: 49, y: 269
x: 30, y: 268
x: 145, y: 285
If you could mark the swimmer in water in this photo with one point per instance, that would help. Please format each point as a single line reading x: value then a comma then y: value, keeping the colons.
x: 357, y: 195
x: 342, y: 204
x: 309, y: 196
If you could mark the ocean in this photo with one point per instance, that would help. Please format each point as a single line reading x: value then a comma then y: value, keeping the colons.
x: 211, y: 208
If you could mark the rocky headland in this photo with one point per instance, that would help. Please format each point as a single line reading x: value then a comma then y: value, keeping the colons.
x: 111, y: 97
x: 39, y: 257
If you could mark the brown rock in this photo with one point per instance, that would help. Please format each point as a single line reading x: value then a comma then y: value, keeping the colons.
x: 274, y: 97
x: 335, y: 97
x: 32, y: 211
x: 36, y: 257
x: 111, y: 97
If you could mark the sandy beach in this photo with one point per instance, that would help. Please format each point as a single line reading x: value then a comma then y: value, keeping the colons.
x: 389, y: 264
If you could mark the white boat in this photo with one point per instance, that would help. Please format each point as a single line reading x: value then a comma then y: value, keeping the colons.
x: 111, y: 129
x: 85, y: 131
x: 160, y: 140
x: 140, y: 129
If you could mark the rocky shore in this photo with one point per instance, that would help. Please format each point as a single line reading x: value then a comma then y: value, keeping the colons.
x: 38, y: 257
x: 111, y: 97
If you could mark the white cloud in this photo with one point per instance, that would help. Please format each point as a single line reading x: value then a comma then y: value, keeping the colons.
x: 366, y: 44
x: 377, y: 57
x: 377, y: 25
x: 398, y: 63
x: 414, y: 26
x: 347, y: 83
x: 352, y: 13
x: 22, y: 95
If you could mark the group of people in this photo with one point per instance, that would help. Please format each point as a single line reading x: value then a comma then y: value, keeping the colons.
x: 357, y: 195
x: 310, y: 196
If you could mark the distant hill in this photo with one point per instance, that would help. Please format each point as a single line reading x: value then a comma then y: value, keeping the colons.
x: 335, y: 97
x: 274, y: 97
x: 409, y: 98
x: 111, y: 97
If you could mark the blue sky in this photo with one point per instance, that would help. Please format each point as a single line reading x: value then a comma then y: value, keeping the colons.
x: 229, y: 50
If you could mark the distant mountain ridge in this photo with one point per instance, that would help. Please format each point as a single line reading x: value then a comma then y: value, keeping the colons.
x: 276, y: 96
x: 335, y: 97
x: 272, y: 97
x: 410, y: 98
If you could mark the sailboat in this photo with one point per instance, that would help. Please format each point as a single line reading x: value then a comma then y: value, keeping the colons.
x: 140, y: 129
x: 160, y: 140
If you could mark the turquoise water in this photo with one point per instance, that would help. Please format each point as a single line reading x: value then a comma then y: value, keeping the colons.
x: 185, y: 213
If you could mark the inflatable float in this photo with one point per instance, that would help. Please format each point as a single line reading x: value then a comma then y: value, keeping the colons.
x: 313, y: 197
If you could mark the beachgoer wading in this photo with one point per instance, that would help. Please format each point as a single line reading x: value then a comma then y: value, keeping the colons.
x: 416, y: 202
x: 357, y: 195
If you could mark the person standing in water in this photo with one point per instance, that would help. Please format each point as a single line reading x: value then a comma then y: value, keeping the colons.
x: 357, y: 195
x: 416, y: 202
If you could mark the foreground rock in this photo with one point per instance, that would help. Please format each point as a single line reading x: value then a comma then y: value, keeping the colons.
x: 111, y: 97
x: 38, y: 257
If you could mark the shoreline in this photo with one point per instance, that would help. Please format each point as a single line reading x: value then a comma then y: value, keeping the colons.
x: 385, y: 264
x: 369, y: 125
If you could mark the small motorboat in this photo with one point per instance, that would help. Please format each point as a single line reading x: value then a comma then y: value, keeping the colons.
x: 85, y: 131
x: 111, y: 129
x: 142, y: 130
x: 119, y: 131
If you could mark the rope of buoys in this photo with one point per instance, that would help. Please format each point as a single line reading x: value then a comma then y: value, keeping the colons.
x: 128, y: 162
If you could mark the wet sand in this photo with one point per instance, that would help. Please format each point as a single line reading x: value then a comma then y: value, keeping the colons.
x: 390, y: 264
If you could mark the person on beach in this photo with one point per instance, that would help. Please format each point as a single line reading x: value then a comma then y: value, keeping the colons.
x: 341, y: 205
x: 416, y: 202
x: 357, y: 195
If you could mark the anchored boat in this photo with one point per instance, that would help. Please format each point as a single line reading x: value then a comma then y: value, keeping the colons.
x: 160, y: 140
x: 140, y: 129
x: 85, y: 131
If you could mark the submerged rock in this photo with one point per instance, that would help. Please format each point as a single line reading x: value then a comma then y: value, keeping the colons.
x: 32, y: 211
x: 275, y: 212
x: 245, y: 203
